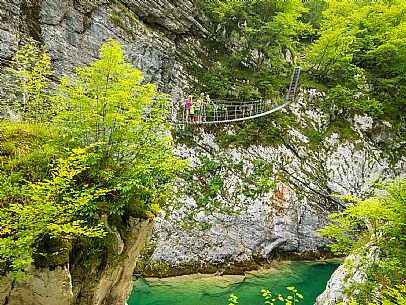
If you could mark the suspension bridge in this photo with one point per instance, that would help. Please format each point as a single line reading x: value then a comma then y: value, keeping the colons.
x: 229, y: 111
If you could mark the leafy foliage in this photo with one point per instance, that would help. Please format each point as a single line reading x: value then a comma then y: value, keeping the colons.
x: 53, y: 208
x: 107, y: 104
x: 342, y: 101
x: 106, y: 153
x: 314, y: 13
x: 375, y: 222
x: 361, y: 51
x: 292, y: 298
x: 246, y: 52
x: 27, y: 84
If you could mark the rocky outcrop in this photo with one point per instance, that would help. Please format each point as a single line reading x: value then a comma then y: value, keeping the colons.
x: 45, y: 287
x: 347, y: 281
x: 109, y: 280
x: 104, y: 279
x: 247, y: 203
x: 151, y: 32
x: 335, y: 291
x: 255, y: 203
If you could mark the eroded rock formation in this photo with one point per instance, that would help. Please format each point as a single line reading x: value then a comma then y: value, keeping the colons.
x: 251, y: 204
x: 103, y: 280
x: 151, y: 32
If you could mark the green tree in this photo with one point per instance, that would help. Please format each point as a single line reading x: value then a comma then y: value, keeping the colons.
x: 51, y: 209
x: 362, y: 47
x: 314, y: 15
x: 27, y: 84
x: 106, y: 153
x: 342, y: 101
x: 106, y: 103
x: 374, y: 222
x: 250, y: 41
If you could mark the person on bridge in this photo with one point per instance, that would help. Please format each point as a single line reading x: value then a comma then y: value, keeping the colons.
x: 199, y: 107
x: 188, y: 103
x: 206, y: 102
x: 192, y: 111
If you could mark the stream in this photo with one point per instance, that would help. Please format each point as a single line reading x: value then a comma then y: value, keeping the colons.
x: 309, y: 278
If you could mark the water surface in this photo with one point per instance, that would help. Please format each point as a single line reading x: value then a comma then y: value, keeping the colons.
x: 309, y: 278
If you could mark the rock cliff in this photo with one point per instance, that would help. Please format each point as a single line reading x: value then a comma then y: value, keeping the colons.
x: 246, y: 204
x: 151, y: 32
x: 347, y: 281
x: 102, y: 280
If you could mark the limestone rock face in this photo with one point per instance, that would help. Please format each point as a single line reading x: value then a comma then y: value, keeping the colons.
x: 110, y: 282
x: 73, y: 31
x: 46, y: 287
x: 335, y: 289
x: 177, y: 16
x: 105, y: 280
x: 346, y: 281
x: 257, y: 203
x: 151, y: 33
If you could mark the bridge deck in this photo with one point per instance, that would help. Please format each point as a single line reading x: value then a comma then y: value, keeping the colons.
x: 229, y: 112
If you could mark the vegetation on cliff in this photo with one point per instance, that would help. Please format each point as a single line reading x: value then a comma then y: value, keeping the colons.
x: 96, y: 151
x: 246, y: 55
x: 354, y: 52
x: 360, y: 57
x: 351, y: 50
x: 89, y: 153
x: 375, y: 229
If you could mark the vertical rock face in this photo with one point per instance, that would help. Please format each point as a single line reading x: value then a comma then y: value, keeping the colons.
x: 256, y: 203
x: 110, y: 282
x: 336, y: 286
x: 46, y: 287
x: 104, y: 280
x: 73, y: 31
x: 251, y: 220
x: 347, y: 281
x: 151, y: 33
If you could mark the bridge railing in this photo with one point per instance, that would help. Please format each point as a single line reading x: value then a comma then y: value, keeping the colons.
x: 221, y: 111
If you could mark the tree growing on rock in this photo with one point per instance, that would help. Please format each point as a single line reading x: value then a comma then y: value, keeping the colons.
x: 101, y: 153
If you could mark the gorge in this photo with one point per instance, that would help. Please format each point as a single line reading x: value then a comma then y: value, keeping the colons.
x: 252, y: 192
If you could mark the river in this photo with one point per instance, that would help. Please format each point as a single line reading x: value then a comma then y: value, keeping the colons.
x: 309, y: 278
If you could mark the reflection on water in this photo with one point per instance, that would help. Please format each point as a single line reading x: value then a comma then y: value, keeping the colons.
x: 309, y: 278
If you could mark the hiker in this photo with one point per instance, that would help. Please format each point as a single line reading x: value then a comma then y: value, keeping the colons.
x: 188, y: 103
x: 192, y: 110
x: 198, y: 110
x: 199, y: 107
x: 207, y: 99
x: 206, y: 102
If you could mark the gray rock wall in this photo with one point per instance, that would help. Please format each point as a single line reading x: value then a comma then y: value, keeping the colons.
x: 255, y: 222
x: 45, y: 287
x: 347, y: 281
x: 152, y: 33
x: 248, y: 223
x: 111, y: 284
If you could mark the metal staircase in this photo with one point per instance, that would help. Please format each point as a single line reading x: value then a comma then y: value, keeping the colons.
x: 294, y: 82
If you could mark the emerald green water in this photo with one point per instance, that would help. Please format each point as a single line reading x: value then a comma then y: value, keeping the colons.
x: 309, y: 278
